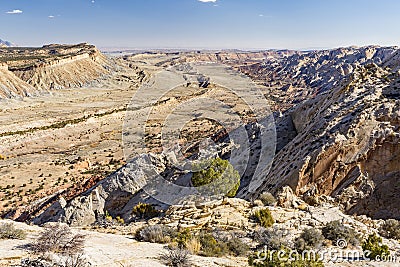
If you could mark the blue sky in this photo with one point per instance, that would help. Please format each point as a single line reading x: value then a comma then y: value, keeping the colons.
x: 244, y: 24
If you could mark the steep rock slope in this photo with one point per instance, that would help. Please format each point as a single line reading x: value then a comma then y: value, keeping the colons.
x: 347, y: 146
x: 301, y: 76
x: 11, y: 85
x: 50, y: 67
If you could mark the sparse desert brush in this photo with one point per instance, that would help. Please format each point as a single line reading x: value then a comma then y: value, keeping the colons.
x: 264, y: 217
x: 69, y: 261
x: 336, y: 231
x: 210, y: 247
x: 8, y: 231
x: 309, y: 239
x: 176, y: 258
x: 120, y: 220
x: 182, y: 237
x: 237, y: 247
x: 267, y: 199
x: 374, y: 245
x: 59, y: 239
x: 273, y: 238
x: 145, y: 211
x: 270, y: 259
x: 390, y: 229
x: 155, y: 234
x: 193, y: 245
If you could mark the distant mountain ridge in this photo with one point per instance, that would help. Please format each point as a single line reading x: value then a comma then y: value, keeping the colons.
x: 6, y: 43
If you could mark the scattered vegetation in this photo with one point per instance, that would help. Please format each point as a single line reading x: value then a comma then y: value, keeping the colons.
x: 176, y: 258
x: 216, y: 177
x: 182, y: 238
x: 145, y: 211
x: 211, y: 247
x: 272, y: 238
x: 391, y: 229
x: 155, y: 234
x: 335, y: 231
x: 8, y: 231
x: 374, y: 245
x: 237, y: 247
x: 309, y: 239
x: 264, y: 217
x: 267, y: 199
x: 70, y: 261
x: 270, y: 259
x: 58, y: 238
x: 193, y: 245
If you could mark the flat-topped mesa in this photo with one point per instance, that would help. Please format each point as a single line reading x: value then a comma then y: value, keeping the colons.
x: 56, y: 66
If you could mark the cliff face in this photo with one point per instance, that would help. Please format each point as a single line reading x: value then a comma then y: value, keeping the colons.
x: 50, y: 67
x: 11, y: 85
x: 347, y: 145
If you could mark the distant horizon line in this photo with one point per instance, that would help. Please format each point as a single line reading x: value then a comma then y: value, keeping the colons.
x: 110, y: 49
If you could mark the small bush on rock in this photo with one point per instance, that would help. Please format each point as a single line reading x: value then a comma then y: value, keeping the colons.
x: 183, y: 237
x: 176, y: 258
x: 309, y: 239
x: 58, y: 238
x: 216, y: 176
x: 155, y: 234
x: 268, y: 199
x: 145, y: 211
x: 70, y: 261
x: 193, y: 245
x: 335, y: 231
x: 264, y: 217
x: 238, y: 247
x: 211, y: 247
x: 8, y: 231
x: 374, y: 245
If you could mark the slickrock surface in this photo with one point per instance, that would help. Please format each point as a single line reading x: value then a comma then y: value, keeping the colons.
x: 347, y: 145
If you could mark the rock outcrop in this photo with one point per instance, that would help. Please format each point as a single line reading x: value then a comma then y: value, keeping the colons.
x: 347, y: 145
x: 48, y: 68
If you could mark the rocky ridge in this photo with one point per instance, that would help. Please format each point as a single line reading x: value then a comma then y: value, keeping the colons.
x: 31, y: 71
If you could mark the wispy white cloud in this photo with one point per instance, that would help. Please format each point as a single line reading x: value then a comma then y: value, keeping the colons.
x: 208, y: 1
x: 51, y: 17
x: 15, y: 11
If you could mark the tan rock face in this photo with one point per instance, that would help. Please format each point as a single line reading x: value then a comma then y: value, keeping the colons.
x: 27, y: 71
x: 347, y: 146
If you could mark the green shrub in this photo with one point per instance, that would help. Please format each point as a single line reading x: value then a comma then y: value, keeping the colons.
x: 391, y: 229
x: 145, y: 211
x: 155, y: 234
x: 374, y: 245
x: 309, y: 239
x: 211, y: 247
x: 182, y: 238
x: 335, y: 231
x: 267, y: 199
x: 215, y: 177
x: 264, y: 217
x: 8, y: 231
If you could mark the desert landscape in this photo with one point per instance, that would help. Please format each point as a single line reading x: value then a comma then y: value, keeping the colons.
x: 208, y: 133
